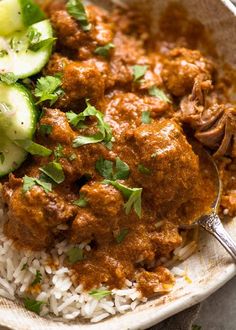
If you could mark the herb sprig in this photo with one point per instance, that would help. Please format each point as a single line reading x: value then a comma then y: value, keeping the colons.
x: 105, y: 169
x: 77, y: 10
x: 29, y: 183
x: 104, y: 133
x: 48, y: 89
x: 33, y: 305
x: 74, y: 255
x: 100, y: 293
x: 133, y: 196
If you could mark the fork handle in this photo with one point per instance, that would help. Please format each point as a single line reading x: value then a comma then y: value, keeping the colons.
x: 213, y: 225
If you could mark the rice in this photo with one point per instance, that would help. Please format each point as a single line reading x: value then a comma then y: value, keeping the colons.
x: 61, y: 297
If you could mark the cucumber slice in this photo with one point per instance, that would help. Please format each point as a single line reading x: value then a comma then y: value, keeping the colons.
x: 17, y: 58
x: 16, y: 15
x: 10, y: 17
x: 17, y: 122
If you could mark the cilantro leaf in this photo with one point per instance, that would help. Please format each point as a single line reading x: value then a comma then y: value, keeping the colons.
x: 76, y: 9
x: 45, y: 129
x: 82, y: 202
x: 104, y: 133
x: 146, y: 117
x: 139, y: 71
x: 33, y: 305
x: 54, y: 171
x: 75, y: 254
x: 31, y: 12
x: 104, y: 50
x: 8, y: 78
x: 122, y: 170
x: 42, y: 44
x: 100, y: 293
x: 34, y: 148
x: 58, y: 152
x: 123, y: 233
x: 156, y: 92
x: 29, y: 182
x: 105, y: 169
x: 133, y: 196
x: 38, y: 278
x: 48, y: 89
x: 144, y: 170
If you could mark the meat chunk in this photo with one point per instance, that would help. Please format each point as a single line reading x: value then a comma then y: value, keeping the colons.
x: 76, y: 162
x: 158, y: 281
x: 33, y: 214
x: 124, y: 110
x: 71, y: 35
x: 181, y: 68
x: 80, y: 80
x: 170, y: 163
x: 102, y: 214
x: 104, y: 200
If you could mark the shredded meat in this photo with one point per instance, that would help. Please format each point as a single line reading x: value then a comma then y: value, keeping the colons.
x: 215, y: 127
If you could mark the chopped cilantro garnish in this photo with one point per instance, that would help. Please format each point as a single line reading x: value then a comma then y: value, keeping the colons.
x: 76, y: 9
x: 99, y: 293
x: 45, y: 129
x: 144, y: 170
x: 31, y: 12
x: 34, y: 148
x: 121, y: 170
x: 38, y: 278
x: 48, y: 89
x: 82, y: 202
x: 29, y: 182
x: 139, y: 71
x: 133, y: 196
x: 146, y: 117
x: 75, y: 254
x: 58, y: 152
x: 33, y: 305
x: 104, y: 133
x: 8, y: 78
x: 123, y: 233
x: 154, y: 91
x: 2, y: 157
x: 105, y: 169
x: 104, y: 50
x: 54, y: 171
x: 42, y: 44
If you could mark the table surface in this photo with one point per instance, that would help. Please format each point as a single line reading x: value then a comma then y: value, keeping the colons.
x: 218, y: 312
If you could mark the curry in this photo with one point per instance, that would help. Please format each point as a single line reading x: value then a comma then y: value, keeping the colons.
x: 122, y: 130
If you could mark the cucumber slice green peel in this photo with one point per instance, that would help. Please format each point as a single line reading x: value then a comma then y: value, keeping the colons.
x: 18, y: 117
x: 25, y: 53
x: 16, y: 15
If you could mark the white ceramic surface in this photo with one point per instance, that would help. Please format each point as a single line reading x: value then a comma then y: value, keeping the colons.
x: 210, y: 267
